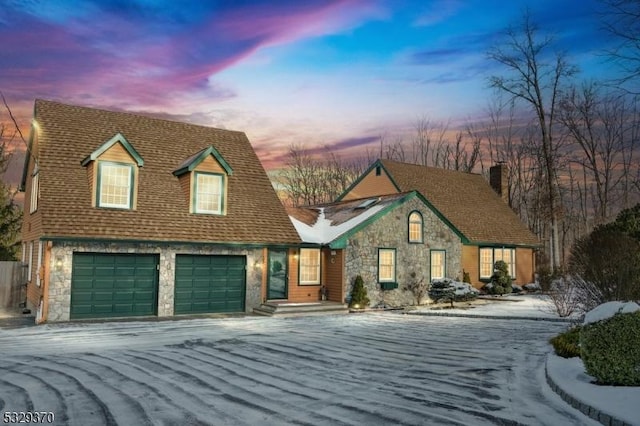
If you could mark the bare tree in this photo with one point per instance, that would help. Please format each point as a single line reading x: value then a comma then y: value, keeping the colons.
x: 310, y: 179
x: 10, y: 212
x: 621, y: 18
x: 530, y: 79
x: 598, y: 126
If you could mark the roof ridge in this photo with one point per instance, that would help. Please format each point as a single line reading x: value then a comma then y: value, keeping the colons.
x: 141, y: 114
x: 402, y: 163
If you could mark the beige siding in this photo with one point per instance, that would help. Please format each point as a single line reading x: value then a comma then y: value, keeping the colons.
x: 372, y: 185
x: 117, y: 153
x: 185, y: 185
x: 525, y: 266
x: 210, y: 164
x: 333, y: 273
x: 471, y: 264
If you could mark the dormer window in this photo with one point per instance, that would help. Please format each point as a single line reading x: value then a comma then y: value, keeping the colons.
x: 209, y: 190
x: 115, y: 185
x: 204, y: 179
x: 113, y: 174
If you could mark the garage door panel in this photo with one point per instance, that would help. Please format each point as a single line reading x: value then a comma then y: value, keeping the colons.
x: 113, y: 285
x: 209, y: 283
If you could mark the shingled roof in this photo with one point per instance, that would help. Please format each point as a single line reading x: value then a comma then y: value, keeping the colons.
x: 67, y: 134
x: 466, y: 200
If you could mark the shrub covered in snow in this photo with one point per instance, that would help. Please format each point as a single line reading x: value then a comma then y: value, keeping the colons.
x: 532, y: 287
x: 448, y: 290
x: 610, y: 345
x: 567, y: 344
x: 515, y: 288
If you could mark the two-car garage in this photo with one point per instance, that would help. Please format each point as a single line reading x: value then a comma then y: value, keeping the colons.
x: 107, y: 285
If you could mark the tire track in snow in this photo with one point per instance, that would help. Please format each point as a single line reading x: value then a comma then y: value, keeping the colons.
x: 250, y: 398
x: 16, y: 400
x: 78, y: 398
x: 182, y: 403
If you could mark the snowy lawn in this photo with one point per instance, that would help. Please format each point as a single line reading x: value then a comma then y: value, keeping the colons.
x: 516, y: 306
x: 373, y: 368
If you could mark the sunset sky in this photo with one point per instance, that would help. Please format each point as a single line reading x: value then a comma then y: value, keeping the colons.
x: 316, y: 72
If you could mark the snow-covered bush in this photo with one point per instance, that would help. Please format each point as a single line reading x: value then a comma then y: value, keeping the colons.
x: 515, y: 288
x: 532, y: 287
x: 448, y: 290
x: 610, y: 344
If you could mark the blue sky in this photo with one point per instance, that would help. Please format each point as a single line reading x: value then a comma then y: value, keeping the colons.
x: 319, y: 72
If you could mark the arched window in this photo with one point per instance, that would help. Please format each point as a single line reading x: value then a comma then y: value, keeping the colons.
x: 415, y: 227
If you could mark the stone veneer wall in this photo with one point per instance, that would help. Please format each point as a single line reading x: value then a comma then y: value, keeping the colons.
x: 61, y: 265
x: 391, y: 231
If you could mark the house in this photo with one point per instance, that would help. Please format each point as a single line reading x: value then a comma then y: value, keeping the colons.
x: 127, y: 215
x: 475, y: 211
x: 389, y: 239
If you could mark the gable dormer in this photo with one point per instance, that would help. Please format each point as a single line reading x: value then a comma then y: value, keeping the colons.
x: 112, y: 170
x: 204, y: 180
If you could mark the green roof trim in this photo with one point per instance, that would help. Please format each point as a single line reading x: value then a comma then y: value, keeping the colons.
x: 192, y: 162
x: 377, y: 163
x: 118, y: 138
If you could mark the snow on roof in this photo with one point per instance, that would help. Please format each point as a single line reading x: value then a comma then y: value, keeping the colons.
x: 323, y: 231
x: 609, y: 309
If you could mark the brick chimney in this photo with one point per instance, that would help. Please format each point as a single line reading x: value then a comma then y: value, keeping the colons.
x: 498, y: 179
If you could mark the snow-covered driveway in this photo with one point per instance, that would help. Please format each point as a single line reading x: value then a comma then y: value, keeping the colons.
x: 372, y: 369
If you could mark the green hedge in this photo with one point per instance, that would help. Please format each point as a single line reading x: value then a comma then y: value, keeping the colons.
x: 610, y: 350
x: 567, y: 344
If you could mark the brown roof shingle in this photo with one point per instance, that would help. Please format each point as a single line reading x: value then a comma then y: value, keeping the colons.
x: 69, y: 133
x: 465, y: 199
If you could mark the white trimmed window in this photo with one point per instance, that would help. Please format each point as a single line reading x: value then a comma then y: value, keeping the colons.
x: 30, y: 261
x: 386, y: 265
x: 489, y: 256
x: 39, y: 264
x: 309, y: 266
x: 208, y: 193
x: 415, y: 227
x: 35, y: 191
x: 438, y: 262
x: 24, y: 252
x: 116, y: 185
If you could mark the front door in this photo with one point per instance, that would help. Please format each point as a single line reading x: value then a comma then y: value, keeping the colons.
x: 277, y: 281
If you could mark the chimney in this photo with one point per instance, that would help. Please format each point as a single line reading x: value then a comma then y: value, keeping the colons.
x: 498, y: 177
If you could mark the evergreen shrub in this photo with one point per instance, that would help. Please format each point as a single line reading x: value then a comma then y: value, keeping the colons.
x: 567, y: 344
x: 359, y: 299
x: 610, y: 350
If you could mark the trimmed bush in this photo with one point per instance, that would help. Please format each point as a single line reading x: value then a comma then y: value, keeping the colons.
x: 359, y: 299
x: 466, y: 277
x: 442, y: 291
x: 500, y: 280
x: 610, y: 350
x: 567, y: 344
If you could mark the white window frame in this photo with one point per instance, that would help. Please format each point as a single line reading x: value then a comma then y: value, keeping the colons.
x: 30, y: 260
x: 24, y: 251
x: 442, y: 265
x: 217, y: 197
x: 40, y: 248
x: 391, y: 277
x: 102, y: 165
x: 309, y: 266
x: 419, y: 223
x: 35, y: 191
x: 497, y: 253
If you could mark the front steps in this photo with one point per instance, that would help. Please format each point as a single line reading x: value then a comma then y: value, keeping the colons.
x: 284, y: 308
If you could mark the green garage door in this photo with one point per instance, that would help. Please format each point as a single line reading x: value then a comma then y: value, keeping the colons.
x: 206, y: 284
x: 114, y: 285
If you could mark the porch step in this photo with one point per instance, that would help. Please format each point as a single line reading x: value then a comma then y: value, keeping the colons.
x: 281, y: 309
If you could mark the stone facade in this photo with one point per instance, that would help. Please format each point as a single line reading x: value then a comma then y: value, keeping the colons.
x: 391, y: 231
x: 59, y: 291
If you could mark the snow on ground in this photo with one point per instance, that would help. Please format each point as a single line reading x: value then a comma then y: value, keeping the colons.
x: 570, y: 374
x: 518, y: 306
x: 619, y: 401
x: 372, y: 368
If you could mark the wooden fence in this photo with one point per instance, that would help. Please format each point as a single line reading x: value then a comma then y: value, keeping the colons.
x: 13, y: 277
